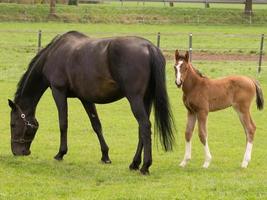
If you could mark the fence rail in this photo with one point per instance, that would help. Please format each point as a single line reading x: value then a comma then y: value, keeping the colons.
x: 167, y: 42
x: 181, y: 1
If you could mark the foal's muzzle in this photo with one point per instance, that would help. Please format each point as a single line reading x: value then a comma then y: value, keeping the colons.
x: 179, y: 84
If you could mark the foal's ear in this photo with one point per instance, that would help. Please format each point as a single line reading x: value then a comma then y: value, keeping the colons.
x: 176, y: 55
x: 11, y: 104
x: 186, y: 56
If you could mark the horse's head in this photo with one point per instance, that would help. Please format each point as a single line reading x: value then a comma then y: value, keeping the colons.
x: 181, y: 67
x: 23, y: 130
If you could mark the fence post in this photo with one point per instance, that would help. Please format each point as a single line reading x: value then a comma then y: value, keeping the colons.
x: 261, y: 52
x: 190, y: 47
x: 39, y: 40
x: 158, y: 40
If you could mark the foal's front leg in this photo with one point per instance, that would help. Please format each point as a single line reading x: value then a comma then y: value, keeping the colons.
x: 191, y: 121
x: 62, y: 107
x: 203, y: 136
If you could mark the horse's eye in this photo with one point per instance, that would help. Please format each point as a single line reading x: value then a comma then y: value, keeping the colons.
x: 12, y: 125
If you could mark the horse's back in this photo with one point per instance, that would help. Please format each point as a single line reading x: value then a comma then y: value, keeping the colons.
x: 98, y: 70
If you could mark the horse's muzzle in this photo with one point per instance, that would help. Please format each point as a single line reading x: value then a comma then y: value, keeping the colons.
x: 20, y: 149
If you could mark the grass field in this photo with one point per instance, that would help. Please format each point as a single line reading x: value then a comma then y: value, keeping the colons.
x: 132, y: 13
x: 82, y: 176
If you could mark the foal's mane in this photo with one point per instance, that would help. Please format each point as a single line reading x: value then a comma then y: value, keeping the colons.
x: 197, y: 72
x: 194, y: 69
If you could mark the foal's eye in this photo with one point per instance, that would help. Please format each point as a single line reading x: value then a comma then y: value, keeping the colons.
x: 12, y: 125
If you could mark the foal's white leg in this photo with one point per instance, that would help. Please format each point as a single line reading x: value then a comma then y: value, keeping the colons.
x: 191, y: 121
x: 207, y: 155
x: 247, y: 155
x: 203, y: 136
x: 187, y: 155
x: 249, y: 128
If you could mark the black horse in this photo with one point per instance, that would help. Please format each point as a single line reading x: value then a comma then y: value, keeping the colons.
x: 94, y: 71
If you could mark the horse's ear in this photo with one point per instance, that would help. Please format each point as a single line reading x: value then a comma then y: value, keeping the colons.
x: 176, y: 55
x: 11, y: 104
x: 186, y: 56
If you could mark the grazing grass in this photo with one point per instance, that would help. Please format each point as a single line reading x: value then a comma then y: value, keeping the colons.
x: 82, y: 176
x: 129, y: 13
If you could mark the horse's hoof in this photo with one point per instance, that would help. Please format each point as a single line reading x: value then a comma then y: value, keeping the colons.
x: 58, y: 157
x: 133, y: 166
x: 106, y: 161
x: 144, y: 172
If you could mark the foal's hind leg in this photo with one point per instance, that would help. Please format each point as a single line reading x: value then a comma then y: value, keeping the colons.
x: 250, y: 129
x: 92, y: 113
x: 203, y: 136
x: 139, y: 111
x: 191, y: 121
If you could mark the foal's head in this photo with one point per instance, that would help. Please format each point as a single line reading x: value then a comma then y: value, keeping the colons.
x: 181, y: 67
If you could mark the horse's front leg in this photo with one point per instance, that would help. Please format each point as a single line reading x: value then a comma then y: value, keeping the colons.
x: 62, y: 107
x: 203, y: 136
x: 191, y: 121
x: 93, y: 116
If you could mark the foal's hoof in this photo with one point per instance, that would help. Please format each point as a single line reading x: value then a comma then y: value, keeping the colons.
x: 183, y: 164
x: 206, y: 165
x: 244, y: 164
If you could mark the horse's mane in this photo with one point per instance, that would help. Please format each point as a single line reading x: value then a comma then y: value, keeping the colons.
x: 38, y: 61
x: 32, y: 68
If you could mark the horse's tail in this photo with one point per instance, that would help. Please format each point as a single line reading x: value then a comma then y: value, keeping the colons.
x: 259, y: 95
x: 163, y: 116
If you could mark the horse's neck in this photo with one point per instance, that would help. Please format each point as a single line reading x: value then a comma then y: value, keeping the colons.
x: 192, y: 80
x: 32, y: 91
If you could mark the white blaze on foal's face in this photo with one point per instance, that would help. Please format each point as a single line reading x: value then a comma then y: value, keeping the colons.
x: 178, y: 73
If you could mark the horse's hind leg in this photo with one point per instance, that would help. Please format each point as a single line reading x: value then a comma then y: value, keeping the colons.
x: 202, y: 132
x: 92, y: 114
x: 139, y: 111
x: 250, y: 129
x: 62, y: 107
x: 191, y: 121
x: 137, y: 157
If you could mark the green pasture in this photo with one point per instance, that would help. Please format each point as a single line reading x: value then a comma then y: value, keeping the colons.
x: 133, y: 12
x: 82, y: 176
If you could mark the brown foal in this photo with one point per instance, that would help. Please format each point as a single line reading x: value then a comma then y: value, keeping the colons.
x: 202, y: 95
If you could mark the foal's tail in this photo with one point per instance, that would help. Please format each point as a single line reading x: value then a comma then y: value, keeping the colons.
x: 259, y: 95
x: 163, y: 116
